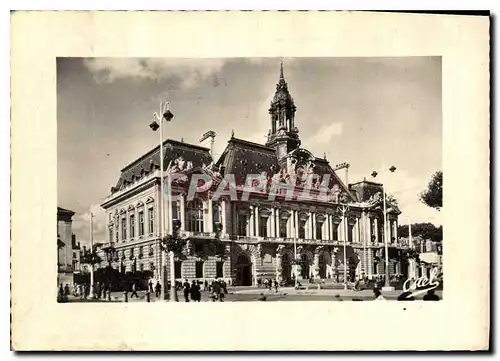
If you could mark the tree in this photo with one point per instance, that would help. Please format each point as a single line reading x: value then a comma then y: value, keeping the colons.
x: 424, y: 230
x: 91, y: 257
x: 433, y: 195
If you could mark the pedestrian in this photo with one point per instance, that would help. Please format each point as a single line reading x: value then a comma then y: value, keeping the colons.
x: 276, y: 286
x: 221, y: 290
x: 259, y: 282
x: 195, y: 292
x: 206, y: 286
x: 157, y: 289
x: 86, y: 290
x: 186, y: 288
x: 378, y: 295
x: 150, y: 284
x: 60, y: 294
x: 97, y: 290
x: 66, y: 290
x: 217, y: 290
x: 134, y: 291
x: 431, y: 296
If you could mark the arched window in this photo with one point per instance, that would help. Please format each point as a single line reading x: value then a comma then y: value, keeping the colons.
x: 194, y: 216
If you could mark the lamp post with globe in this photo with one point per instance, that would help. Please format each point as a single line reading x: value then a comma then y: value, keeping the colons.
x: 157, y: 123
x: 387, y: 286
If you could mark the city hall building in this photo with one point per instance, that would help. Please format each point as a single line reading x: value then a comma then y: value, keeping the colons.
x: 293, y: 221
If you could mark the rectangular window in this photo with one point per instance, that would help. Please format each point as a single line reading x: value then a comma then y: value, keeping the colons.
x: 219, y: 269
x: 124, y: 228
x: 350, y: 231
x: 151, y: 266
x: 242, y: 225
x: 175, y: 210
x: 141, y: 248
x: 151, y: 250
x: 111, y: 234
x: 319, y: 230
x: 141, y: 223
x: 151, y: 218
x: 178, y: 268
x: 132, y: 226
x: 335, y: 232
x: 216, y: 210
x: 199, y: 269
x: 302, y: 229
x: 141, y: 267
x: 282, y: 227
x: 263, y: 226
x: 131, y: 253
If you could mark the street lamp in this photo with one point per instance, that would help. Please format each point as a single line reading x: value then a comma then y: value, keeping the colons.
x: 345, y: 209
x: 387, y: 286
x: 92, y: 295
x: 166, y: 115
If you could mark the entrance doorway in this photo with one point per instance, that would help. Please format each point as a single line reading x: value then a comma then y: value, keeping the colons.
x: 243, y: 270
x: 286, y: 272
x: 305, y: 267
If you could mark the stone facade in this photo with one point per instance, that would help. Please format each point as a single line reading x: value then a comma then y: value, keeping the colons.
x: 319, y: 233
x: 65, y: 242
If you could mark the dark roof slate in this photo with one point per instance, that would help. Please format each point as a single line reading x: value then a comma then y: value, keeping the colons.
x: 242, y: 157
x: 149, y: 162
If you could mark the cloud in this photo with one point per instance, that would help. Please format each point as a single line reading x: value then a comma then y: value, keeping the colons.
x: 406, y: 188
x: 326, y: 133
x: 81, y: 226
x: 189, y: 72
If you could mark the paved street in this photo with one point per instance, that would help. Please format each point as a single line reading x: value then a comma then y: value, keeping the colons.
x: 256, y: 294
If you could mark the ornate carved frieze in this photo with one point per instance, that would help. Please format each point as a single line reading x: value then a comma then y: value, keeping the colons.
x: 264, y: 212
x: 285, y: 214
x: 303, y: 216
x: 320, y: 217
x: 280, y: 249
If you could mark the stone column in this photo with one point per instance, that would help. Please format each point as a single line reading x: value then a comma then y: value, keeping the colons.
x: 308, y: 232
x: 396, y: 231
x: 270, y: 223
x: 298, y: 271
x: 279, y: 266
x: 182, y: 215
x: 296, y: 231
x: 356, y: 231
x: 250, y: 223
x: 289, y: 228
x: 316, y: 264
x: 412, y: 269
x: 210, y: 216
x: 223, y: 218
x: 375, y: 226
x: 257, y: 220
x: 313, y: 225
x: 334, y: 269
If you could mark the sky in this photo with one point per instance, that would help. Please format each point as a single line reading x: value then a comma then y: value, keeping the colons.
x: 369, y: 112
